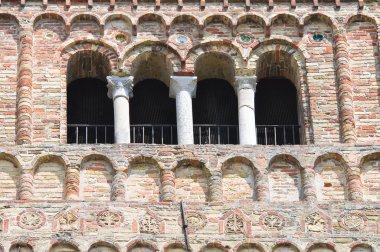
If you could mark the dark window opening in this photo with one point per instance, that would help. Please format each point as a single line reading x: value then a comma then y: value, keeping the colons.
x: 152, y: 113
x: 215, y: 113
x: 89, y: 112
x: 276, y: 112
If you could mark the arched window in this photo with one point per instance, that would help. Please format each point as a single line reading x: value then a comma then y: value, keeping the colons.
x: 89, y: 110
x: 21, y: 248
x: 277, y: 99
x: 152, y: 112
x: 215, y: 111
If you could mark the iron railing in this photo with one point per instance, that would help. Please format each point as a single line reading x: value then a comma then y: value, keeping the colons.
x: 278, y: 134
x: 167, y: 134
x: 154, y: 134
x: 216, y: 134
x: 90, y: 134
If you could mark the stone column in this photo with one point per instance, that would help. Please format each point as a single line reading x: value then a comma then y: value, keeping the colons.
x: 309, y: 190
x: 167, y: 186
x: 262, y: 186
x: 72, y: 183
x: 26, y: 187
x: 245, y: 89
x: 120, y: 90
x: 215, y: 187
x: 183, y: 89
x: 24, y: 86
x: 118, y: 186
x: 355, y: 191
x: 345, y: 88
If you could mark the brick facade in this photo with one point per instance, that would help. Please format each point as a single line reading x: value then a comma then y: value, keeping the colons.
x: 323, y: 196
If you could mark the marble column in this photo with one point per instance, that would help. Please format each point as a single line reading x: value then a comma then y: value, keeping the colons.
x: 183, y: 89
x: 245, y: 89
x: 120, y: 90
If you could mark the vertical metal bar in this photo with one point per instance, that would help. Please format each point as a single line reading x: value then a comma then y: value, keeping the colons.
x: 219, y: 134
x: 171, y: 134
x: 228, y: 135
x: 96, y: 134
x: 266, y: 135
x: 152, y: 134
x: 105, y: 134
x: 134, y: 134
x: 209, y: 135
x: 77, y: 134
x: 237, y: 134
x: 275, y: 135
x: 294, y: 140
x: 86, y: 134
x: 162, y: 134
x: 283, y: 130
x: 143, y: 138
x: 184, y: 226
x: 200, y: 139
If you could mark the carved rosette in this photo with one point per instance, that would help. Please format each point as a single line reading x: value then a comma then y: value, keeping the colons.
x: 195, y: 221
x: 149, y: 225
x: 69, y: 221
x: 272, y: 221
x: 315, y: 222
x: 352, y: 221
x: 31, y: 219
x: 108, y: 218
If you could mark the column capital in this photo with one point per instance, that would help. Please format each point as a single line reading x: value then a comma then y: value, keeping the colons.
x: 246, y: 82
x: 120, y: 86
x: 182, y: 83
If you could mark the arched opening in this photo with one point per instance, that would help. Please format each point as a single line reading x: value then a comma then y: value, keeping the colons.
x: 278, y: 99
x: 276, y: 112
x: 90, y: 115
x: 21, y: 248
x: 215, y: 110
x: 152, y: 112
x: 64, y: 247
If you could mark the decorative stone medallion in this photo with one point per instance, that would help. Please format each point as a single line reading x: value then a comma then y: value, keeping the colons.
x: 31, y: 219
x: 69, y: 221
x: 122, y: 37
x: 352, y: 221
x: 315, y: 223
x: 272, y: 221
x: 234, y: 224
x: 108, y: 218
x: 182, y: 41
x: 149, y: 225
x: 317, y: 37
x: 245, y: 39
x: 195, y: 221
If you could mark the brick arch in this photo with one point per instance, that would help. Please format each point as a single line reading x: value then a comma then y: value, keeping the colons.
x: 308, y: 18
x: 215, y: 244
x: 310, y: 247
x: 14, y: 159
x: 174, y: 244
x: 41, y: 159
x: 252, y: 16
x: 118, y: 15
x: 28, y: 244
x: 144, y: 159
x: 284, y: 15
x: 51, y: 15
x: 106, y: 244
x: 249, y: 244
x: 361, y: 18
x: 140, y: 242
x: 98, y: 156
x: 285, y: 243
x: 230, y: 50
x: 89, y: 16
x: 71, y: 243
x: 369, y: 166
x: 154, y: 16
x: 226, y: 19
x: 188, y: 17
x: 11, y: 17
x: 361, y: 244
x: 132, y: 52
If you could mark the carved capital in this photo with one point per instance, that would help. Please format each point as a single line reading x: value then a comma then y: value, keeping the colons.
x: 120, y: 86
x: 182, y: 83
x: 245, y: 82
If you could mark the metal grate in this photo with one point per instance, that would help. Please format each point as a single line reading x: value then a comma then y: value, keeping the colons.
x: 216, y: 134
x: 278, y: 134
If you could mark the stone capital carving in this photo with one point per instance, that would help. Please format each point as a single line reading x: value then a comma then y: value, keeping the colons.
x: 245, y: 82
x: 120, y: 86
x: 182, y: 83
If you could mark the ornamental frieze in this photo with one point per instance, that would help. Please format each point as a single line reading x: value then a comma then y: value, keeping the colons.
x: 31, y: 219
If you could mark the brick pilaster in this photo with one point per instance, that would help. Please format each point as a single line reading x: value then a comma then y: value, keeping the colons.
x: 118, y: 187
x: 26, y: 187
x: 72, y: 183
x: 262, y: 189
x: 167, y: 185
x: 354, y: 183
x: 215, y: 186
x: 309, y: 190
x: 24, y: 85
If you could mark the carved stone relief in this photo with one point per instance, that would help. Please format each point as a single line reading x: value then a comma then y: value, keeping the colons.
x: 108, y: 218
x: 234, y: 224
x: 69, y: 221
x: 31, y: 219
x: 272, y: 221
x: 315, y: 223
x: 352, y: 221
x: 149, y: 225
